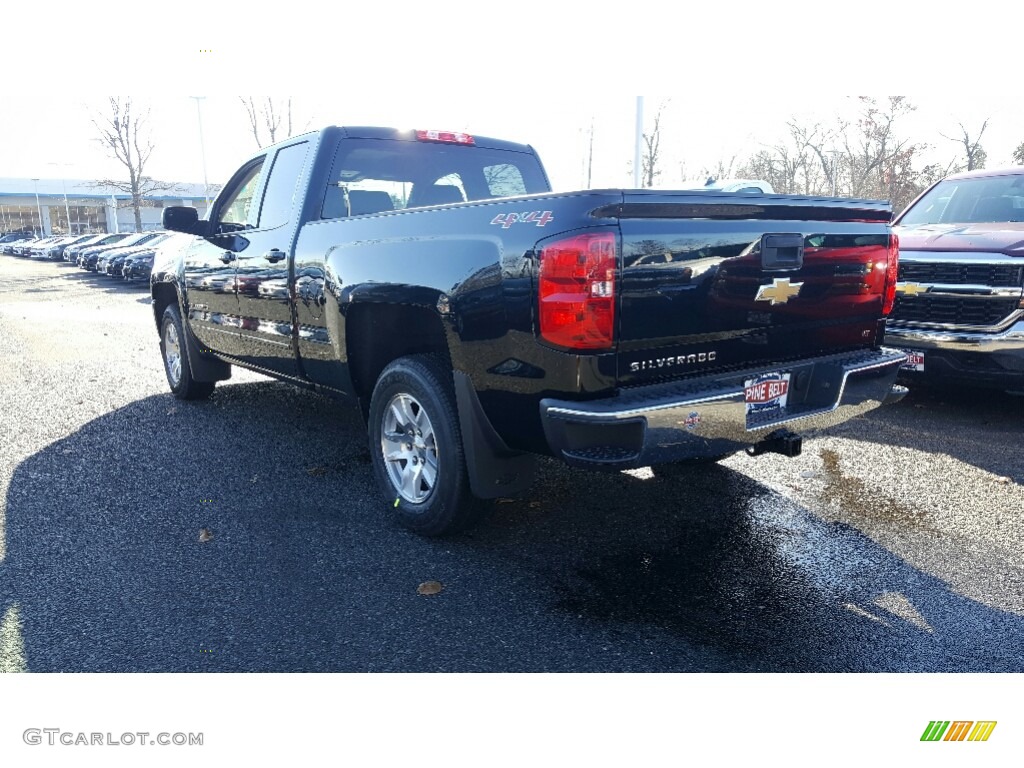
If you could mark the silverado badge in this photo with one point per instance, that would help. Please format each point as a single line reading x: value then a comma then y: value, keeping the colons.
x: 779, y: 292
x: 911, y: 289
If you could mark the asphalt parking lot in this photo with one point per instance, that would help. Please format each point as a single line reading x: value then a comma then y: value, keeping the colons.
x: 894, y: 543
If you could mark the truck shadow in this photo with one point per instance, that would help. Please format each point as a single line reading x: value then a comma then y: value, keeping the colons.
x: 726, y: 562
x: 104, y: 566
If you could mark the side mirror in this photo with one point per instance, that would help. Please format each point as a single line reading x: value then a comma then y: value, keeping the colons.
x: 179, y: 218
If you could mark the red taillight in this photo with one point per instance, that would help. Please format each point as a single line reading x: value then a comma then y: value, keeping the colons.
x: 577, y: 291
x: 892, y: 270
x: 445, y: 137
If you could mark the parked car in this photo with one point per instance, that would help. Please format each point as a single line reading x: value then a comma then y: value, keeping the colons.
x: 117, y: 255
x: 55, y: 252
x: 41, y: 251
x: 959, y: 310
x: 12, y: 237
x: 9, y: 246
x: 25, y: 247
x: 139, y: 265
x: 88, y: 257
x: 478, y: 318
x: 72, y: 252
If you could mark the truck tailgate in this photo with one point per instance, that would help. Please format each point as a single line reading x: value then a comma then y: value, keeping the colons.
x: 716, y: 281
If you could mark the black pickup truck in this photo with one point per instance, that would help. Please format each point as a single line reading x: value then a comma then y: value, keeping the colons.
x: 479, y: 319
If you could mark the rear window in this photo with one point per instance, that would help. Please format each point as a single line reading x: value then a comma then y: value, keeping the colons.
x: 372, y: 176
x: 990, y: 199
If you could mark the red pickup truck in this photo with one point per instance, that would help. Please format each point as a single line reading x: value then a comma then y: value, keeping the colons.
x: 959, y: 310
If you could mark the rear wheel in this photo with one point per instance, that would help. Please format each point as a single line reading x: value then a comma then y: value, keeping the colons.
x: 176, y: 366
x: 416, y: 447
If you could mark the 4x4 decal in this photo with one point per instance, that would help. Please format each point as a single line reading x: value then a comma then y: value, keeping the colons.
x: 506, y: 220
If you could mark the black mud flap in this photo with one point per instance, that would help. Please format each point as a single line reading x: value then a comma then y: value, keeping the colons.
x: 204, y: 367
x: 494, y: 469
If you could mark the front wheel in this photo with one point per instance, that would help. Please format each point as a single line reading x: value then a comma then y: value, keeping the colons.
x: 176, y: 366
x: 416, y: 447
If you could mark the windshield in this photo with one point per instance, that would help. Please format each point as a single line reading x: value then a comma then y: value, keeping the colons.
x: 969, y: 201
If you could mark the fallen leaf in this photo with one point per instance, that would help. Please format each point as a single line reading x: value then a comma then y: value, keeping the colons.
x: 205, y: 535
x: 317, y: 471
x: 535, y: 504
x: 506, y: 501
x: 429, y: 588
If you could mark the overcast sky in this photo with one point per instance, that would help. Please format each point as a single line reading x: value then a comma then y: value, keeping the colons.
x: 695, y: 132
x: 534, y: 72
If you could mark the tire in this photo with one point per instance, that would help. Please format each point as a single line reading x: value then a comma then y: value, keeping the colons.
x: 682, y: 468
x: 413, y: 424
x: 176, y: 366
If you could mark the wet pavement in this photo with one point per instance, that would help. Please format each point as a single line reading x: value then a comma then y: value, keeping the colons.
x: 893, y: 543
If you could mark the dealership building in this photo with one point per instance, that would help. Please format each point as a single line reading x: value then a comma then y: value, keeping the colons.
x: 73, y: 206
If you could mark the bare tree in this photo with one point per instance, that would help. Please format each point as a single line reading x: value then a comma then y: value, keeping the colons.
x: 652, y: 145
x: 721, y: 169
x: 270, y: 120
x: 124, y: 135
x: 973, y: 151
x: 796, y: 164
x: 879, y: 160
x: 866, y: 158
x: 1018, y: 154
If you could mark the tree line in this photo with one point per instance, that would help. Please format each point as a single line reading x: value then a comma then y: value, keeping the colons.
x: 869, y: 156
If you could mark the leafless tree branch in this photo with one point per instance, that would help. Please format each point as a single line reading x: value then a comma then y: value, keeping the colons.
x: 123, y: 134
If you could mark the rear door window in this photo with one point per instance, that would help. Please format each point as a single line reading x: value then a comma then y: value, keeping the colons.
x: 283, y: 186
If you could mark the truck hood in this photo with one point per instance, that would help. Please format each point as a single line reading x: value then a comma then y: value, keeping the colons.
x: 997, y: 237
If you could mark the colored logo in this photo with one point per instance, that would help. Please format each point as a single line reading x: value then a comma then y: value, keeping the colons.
x: 779, y: 292
x: 958, y: 730
x: 766, y: 392
x: 692, y: 420
x: 911, y: 289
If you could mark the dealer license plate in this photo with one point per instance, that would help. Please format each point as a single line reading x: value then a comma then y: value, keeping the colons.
x: 915, y: 360
x: 766, y: 394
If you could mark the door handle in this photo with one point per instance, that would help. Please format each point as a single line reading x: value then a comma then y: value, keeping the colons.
x: 227, y: 257
x: 274, y: 255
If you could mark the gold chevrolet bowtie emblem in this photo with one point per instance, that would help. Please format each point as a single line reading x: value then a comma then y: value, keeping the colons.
x: 911, y: 289
x: 779, y: 292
